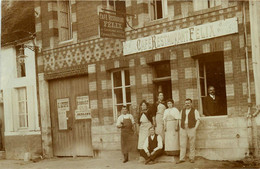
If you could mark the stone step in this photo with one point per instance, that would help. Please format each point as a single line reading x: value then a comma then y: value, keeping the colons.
x: 2, y: 155
x: 134, y: 156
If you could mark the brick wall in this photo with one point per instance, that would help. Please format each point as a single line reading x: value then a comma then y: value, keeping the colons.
x: 87, y: 19
x: 102, y: 56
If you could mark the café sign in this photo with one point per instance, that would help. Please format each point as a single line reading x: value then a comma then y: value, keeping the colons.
x: 111, y: 25
x: 182, y: 36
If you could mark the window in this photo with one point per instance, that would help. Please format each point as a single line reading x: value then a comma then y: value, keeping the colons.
x: 64, y: 19
x: 22, y: 108
x: 204, y: 4
x: 211, y: 73
x: 157, y: 9
x: 121, y: 90
x: 162, y: 80
x: 116, y: 5
x: 20, y: 62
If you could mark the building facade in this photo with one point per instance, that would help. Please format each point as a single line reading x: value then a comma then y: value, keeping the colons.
x: 179, y: 48
x: 21, y: 120
x: 19, y: 117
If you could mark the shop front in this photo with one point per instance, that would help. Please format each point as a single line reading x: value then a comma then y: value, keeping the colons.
x: 183, y: 64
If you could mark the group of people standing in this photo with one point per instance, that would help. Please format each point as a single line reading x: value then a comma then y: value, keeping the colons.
x: 162, y: 128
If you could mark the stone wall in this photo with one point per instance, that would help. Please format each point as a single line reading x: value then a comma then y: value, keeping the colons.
x: 16, y: 146
x: 222, y: 138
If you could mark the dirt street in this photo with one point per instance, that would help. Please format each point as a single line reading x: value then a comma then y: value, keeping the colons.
x: 112, y: 160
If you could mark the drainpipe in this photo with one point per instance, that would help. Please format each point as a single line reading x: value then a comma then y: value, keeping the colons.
x: 249, y: 100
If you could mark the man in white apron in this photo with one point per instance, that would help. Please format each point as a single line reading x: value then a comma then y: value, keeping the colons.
x: 126, y: 122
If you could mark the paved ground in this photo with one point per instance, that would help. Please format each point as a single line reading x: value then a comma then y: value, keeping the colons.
x: 112, y: 160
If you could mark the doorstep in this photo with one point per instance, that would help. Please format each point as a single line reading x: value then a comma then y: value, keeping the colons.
x: 133, y: 156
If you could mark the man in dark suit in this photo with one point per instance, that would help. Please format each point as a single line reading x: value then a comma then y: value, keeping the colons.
x: 211, y: 103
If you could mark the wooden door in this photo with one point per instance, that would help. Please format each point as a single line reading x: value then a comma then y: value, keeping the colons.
x: 75, y: 138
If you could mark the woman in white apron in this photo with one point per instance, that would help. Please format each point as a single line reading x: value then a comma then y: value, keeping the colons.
x: 159, y: 116
x: 145, y: 122
x: 171, y: 127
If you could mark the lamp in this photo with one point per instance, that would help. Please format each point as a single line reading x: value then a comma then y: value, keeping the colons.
x: 21, y: 57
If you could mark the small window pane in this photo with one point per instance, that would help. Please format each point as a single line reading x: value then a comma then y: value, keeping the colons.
x: 127, y: 78
x: 159, y: 9
x: 201, y: 69
x: 128, y: 94
x: 21, y: 94
x: 21, y: 108
x: 117, y: 79
x: 118, y: 96
x: 202, y: 87
x: 22, y: 122
x: 119, y: 107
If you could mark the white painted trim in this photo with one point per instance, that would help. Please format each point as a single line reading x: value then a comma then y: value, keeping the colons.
x: 214, y: 117
x: 22, y: 133
x: 123, y: 87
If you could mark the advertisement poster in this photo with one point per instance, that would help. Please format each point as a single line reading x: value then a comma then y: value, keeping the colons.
x: 83, y: 111
x: 63, y: 107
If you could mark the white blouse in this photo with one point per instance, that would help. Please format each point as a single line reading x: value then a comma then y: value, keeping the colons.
x: 174, y: 112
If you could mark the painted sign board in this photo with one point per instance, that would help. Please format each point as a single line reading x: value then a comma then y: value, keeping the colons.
x: 111, y: 25
x: 181, y: 36
x: 63, y: 107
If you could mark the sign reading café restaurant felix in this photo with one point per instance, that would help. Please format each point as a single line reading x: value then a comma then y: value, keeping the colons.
x: 177, y: 37
x: 111, y: 25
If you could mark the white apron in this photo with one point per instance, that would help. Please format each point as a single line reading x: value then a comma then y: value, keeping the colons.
x: 159, y: 120
x: 143, y: 130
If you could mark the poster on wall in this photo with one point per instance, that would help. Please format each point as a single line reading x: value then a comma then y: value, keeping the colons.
x: 63, y: 107
x: 83, y: 111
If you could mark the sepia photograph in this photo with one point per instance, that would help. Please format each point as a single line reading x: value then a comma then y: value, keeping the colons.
x: 130, y: 84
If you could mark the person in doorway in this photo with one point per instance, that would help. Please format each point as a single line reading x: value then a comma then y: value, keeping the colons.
x: 211, y: 103
x: 145, y: 122
x: 160, y: 107
x: 189, y: 122
x: 153, y: 146
x: 126, y: 122
x: 171, y: 127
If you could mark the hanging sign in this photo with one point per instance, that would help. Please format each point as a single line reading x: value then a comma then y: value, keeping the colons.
x: 83, y: 110
x: 63, y: 107
x: 182, y: 36
x: 112, y: 25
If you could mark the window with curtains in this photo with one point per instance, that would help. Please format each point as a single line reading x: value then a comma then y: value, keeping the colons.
x: 22, y: 108
x: 204, y: 4
x: 120, y: 91
x: 64, y: 20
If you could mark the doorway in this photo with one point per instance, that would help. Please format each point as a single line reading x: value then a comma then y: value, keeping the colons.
x: 165, y: 87
x: 71, y: 136
x: 212, y: 73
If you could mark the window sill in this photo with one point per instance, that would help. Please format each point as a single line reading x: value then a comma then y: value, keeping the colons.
x: 65, y: 43
x: 213, y: 117
x: 156, y: 22
x: 22, y: 133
